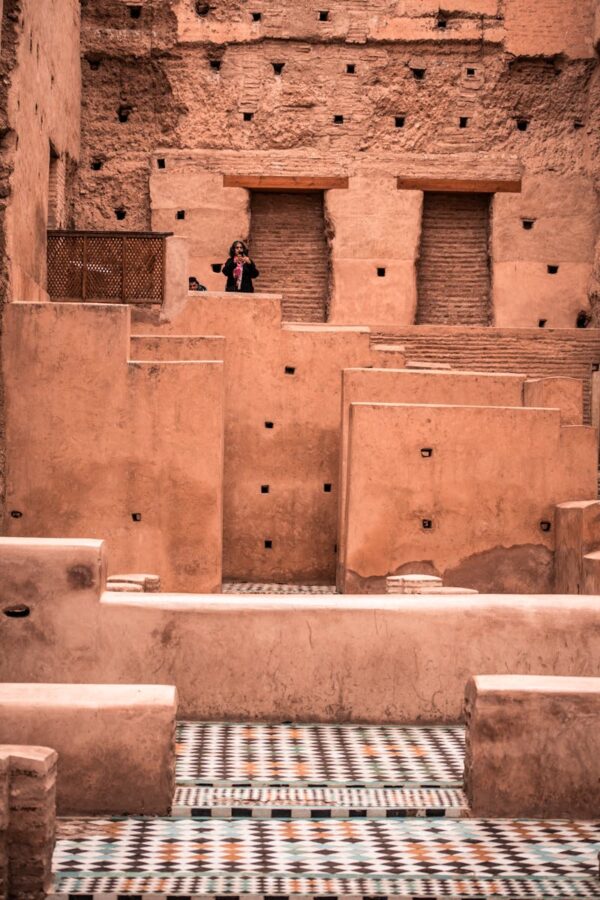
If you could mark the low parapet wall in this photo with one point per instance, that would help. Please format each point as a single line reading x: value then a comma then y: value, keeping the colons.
x: 321, y: 658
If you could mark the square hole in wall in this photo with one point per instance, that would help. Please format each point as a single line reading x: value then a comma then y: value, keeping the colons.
x: 135, y: 11
x: 542, y: 323
x: 123, y: 113
x: 399, y: 121
x: 278, y: 67
x: 381, y: 271
x: 350, y: 69
x: 442, y: 22
x: 256, y: 16
x: 427, y: 524
x: 426, y: 452
x: 552, y: 269
x: 216, y: 267
x: 96, y: 164
x: 528, y: 224
x: 522, y: 124
x: 578, y: 123
x: 161, y: 163
x: 248, y: 116
x: 137, y: 517
x: 323, y: 15
x: 268, y: 545
x: 215, y: 64
x: 338, y: 120
x: 418, y: 74
x: 327, y: 488
x: 269, y: 425
x: 180, y: 214
x: 202, y: 8
x: 463, y: 122
x: 545, y: 525
x: 471, y: 72
x: 264, y: 489
x: 290, y: 370
x: 120, y: 214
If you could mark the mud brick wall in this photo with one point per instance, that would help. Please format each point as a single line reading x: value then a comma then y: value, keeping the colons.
x: 4, y: 809
x: 527, y: 351
x: 31, y: 819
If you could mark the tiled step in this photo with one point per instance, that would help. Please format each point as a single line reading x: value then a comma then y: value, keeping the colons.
x: 293, y: 859
x: 233, y: 755
x: 319, y: 803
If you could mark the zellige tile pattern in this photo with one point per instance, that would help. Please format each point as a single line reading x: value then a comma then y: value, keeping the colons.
x: 333, y: 858
x: 243, y: 755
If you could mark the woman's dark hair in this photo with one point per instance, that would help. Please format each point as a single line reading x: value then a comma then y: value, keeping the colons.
x: 232, y: 248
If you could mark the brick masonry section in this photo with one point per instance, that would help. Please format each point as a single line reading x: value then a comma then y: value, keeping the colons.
x: 289, y: 247
x: 529, y: 351
x: 28, y: 814
x: 454, y: 269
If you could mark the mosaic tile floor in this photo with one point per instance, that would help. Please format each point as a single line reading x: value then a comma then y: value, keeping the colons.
x: 254, y: 587
x: 327, y: 859
x: 318, y: 756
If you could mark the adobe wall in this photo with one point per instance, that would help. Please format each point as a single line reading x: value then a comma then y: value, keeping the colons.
x: 98, y: 444
x: 304, y: 658
x: 188, y: 79
x: 40, y: 91
x: 406, y: 386
x: 478, y: 510
x: 40, y: 107
x: 281, y: 482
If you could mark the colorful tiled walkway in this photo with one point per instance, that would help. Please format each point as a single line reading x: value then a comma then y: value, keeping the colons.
x: 319, y: 812
x: 373, y: 858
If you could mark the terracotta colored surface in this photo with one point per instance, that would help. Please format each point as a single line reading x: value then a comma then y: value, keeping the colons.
x: 115, y: 743
x: 290, y: 376
x: 120, y: 438
x: 403, y: 386
x: 326, y: 658
x: 30, y: 798
x: 533, y: 746
x: 565, y: 394
x: 577, y: 534
x: 486, y: 509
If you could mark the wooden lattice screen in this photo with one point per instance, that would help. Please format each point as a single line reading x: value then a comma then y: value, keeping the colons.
x: 122, y: 267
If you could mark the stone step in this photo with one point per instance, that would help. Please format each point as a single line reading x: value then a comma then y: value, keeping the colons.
x: 319, y: 803
x: 107, y: 859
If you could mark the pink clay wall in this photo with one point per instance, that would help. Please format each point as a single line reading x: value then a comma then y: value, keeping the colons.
x: 378, y: 659
x: 94, y: 439
x: 492, y: 64
x: 494, y: 475
x: 299, y: 455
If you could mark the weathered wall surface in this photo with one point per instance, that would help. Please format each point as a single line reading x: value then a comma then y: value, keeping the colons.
x: 40, y: 110
x: 405, y: 386
x: 557, y: 352
x: 377, y: 659
x: 100, y: 445
x: 402, y: 76
x: 532, y: 746
x: 282, y: 433
x: 30, y: 796
x: 473, y: 516
x: 40, y: 91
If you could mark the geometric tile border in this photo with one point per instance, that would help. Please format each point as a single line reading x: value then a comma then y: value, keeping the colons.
x: 298, y: 803
x: 253, y: 587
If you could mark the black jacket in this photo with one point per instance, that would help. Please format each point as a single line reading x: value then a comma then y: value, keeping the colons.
x: 250, y: 272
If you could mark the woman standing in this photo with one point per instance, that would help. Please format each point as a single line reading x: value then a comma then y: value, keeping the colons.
x: 239, y: 269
